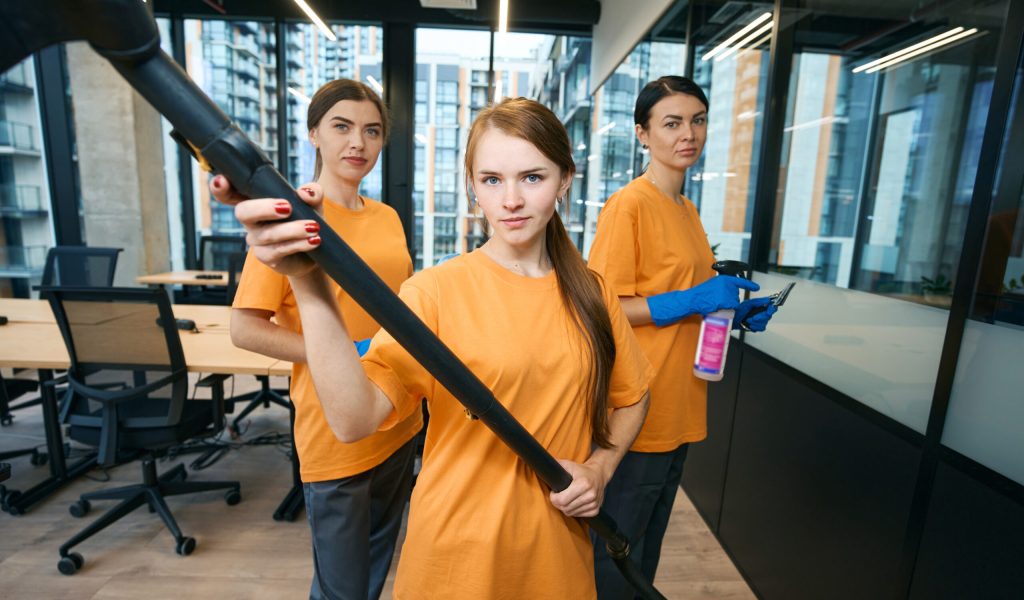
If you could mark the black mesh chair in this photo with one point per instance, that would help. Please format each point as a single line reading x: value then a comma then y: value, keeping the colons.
x: 215, y: 254
x: 80, y: 266
x: 235, y: 264
x: 130, y: 400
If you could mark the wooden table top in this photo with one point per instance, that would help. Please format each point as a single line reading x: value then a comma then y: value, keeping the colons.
x: 206, y: 316
x: 184, y: 278
x: 40, y: 346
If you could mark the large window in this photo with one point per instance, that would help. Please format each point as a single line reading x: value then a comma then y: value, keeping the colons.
x: 734, y: 77
x: 880, y: 147
x: 452, y: 86
x: 986, y: 407
x: 235, y: 63
x: 314, y: 60
x: 25, y: 230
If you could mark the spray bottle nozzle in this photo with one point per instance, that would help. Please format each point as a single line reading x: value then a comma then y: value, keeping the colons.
x: 732, y: 267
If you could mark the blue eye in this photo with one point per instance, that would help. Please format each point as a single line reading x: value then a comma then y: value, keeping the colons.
x: 492, y: 180
x: 533, y: 178
x: 341, y: 126
x: 373, y: 132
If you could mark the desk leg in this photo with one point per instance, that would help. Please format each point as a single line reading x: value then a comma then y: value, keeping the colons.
x: 18, y: 503
x: 5, y: 405
x: 293, y: 501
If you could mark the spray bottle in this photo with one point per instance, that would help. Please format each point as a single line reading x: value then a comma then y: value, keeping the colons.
x: 713, y: 343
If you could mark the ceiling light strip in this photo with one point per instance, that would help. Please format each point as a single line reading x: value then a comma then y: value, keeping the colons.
x: 920, y: 51
x: 503, y: 16
x: 742, y: 43
x: 900, y: 53
x: 721, y: 47
x: 324, y: 29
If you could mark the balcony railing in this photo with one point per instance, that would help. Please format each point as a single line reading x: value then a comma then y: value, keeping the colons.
x: 22, y: 258
x: 17, y: 135
x: 20, y: 199
x: 16, y: 75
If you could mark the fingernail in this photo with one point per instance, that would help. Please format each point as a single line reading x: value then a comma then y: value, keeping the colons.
x: 216, y: 181
x: 308, y: 190
x: 314, y: 241
x: 312, y: 228
x: 282, y: 208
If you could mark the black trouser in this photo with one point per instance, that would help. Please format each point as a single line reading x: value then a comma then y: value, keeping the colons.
x: 639, y: 497
x: 355, y: 523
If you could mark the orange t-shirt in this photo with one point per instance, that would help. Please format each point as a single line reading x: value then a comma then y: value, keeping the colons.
x: 647, y: 245
x: 481, y: 525
x: 375, y: 234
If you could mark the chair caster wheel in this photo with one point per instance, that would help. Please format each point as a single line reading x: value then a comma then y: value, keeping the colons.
x: 185, y: 546
x: 10, y: 499
x: 80, y: 509
x: 233, y: 497
x: 70, y: 564
x: 39, y: 459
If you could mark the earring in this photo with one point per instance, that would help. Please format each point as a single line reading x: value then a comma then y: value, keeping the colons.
x: 644, y: 146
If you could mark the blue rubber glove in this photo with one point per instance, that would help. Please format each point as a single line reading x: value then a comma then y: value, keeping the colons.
x: 717, y: 293
x: 757, y: 322
x: 362, y: 346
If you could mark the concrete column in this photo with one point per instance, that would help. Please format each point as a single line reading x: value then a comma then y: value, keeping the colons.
x: 120, y: 166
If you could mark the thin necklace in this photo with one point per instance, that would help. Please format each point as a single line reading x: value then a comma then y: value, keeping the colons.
x: 652, y: 180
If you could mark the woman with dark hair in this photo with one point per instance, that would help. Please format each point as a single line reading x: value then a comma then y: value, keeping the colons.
x: 355, y: 493
x: 652, y: 251
x: 481, y: 523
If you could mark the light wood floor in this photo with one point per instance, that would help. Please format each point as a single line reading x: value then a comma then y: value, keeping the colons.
x: 241, y: 552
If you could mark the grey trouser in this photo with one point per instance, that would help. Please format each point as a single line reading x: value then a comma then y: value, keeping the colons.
x: 355, y: 523
x: 639, y: 498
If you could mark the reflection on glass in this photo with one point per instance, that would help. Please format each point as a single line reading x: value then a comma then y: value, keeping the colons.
x: 452, y: 85
x: 986, y: 407
x: 234, y: 62
x: 564, y: 88
x: 880, y: 147
x: 313, y: 60
x: 172, y: 181
x: 24, y: 190
x: 731, y: 65
x: 880, y: 151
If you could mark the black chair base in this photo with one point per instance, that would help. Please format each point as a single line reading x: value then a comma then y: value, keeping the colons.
x: 152, y: 492
x: 265, y: 397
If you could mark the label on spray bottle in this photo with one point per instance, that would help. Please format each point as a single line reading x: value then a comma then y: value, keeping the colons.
x: 712, y: 344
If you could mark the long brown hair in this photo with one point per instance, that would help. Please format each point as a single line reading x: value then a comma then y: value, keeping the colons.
x: 580, y: 290
x: 334, y: 92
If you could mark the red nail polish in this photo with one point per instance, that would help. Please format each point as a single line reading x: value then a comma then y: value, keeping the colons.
x: 282, y: 208
x: 314, y: 241
x: 312, y: 228
x: 308, y: 191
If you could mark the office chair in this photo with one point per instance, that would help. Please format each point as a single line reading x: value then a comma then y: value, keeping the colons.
x: 82, y: 266
x: 37, y: 457
x: 128, y: 335
x: 236, y: 262
x: 215, y: 253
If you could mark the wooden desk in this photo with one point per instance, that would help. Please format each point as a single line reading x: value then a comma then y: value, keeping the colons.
x: 40, y: 346
x: 206, y: 316
x: 25, y: 310
x: 184, y: 278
